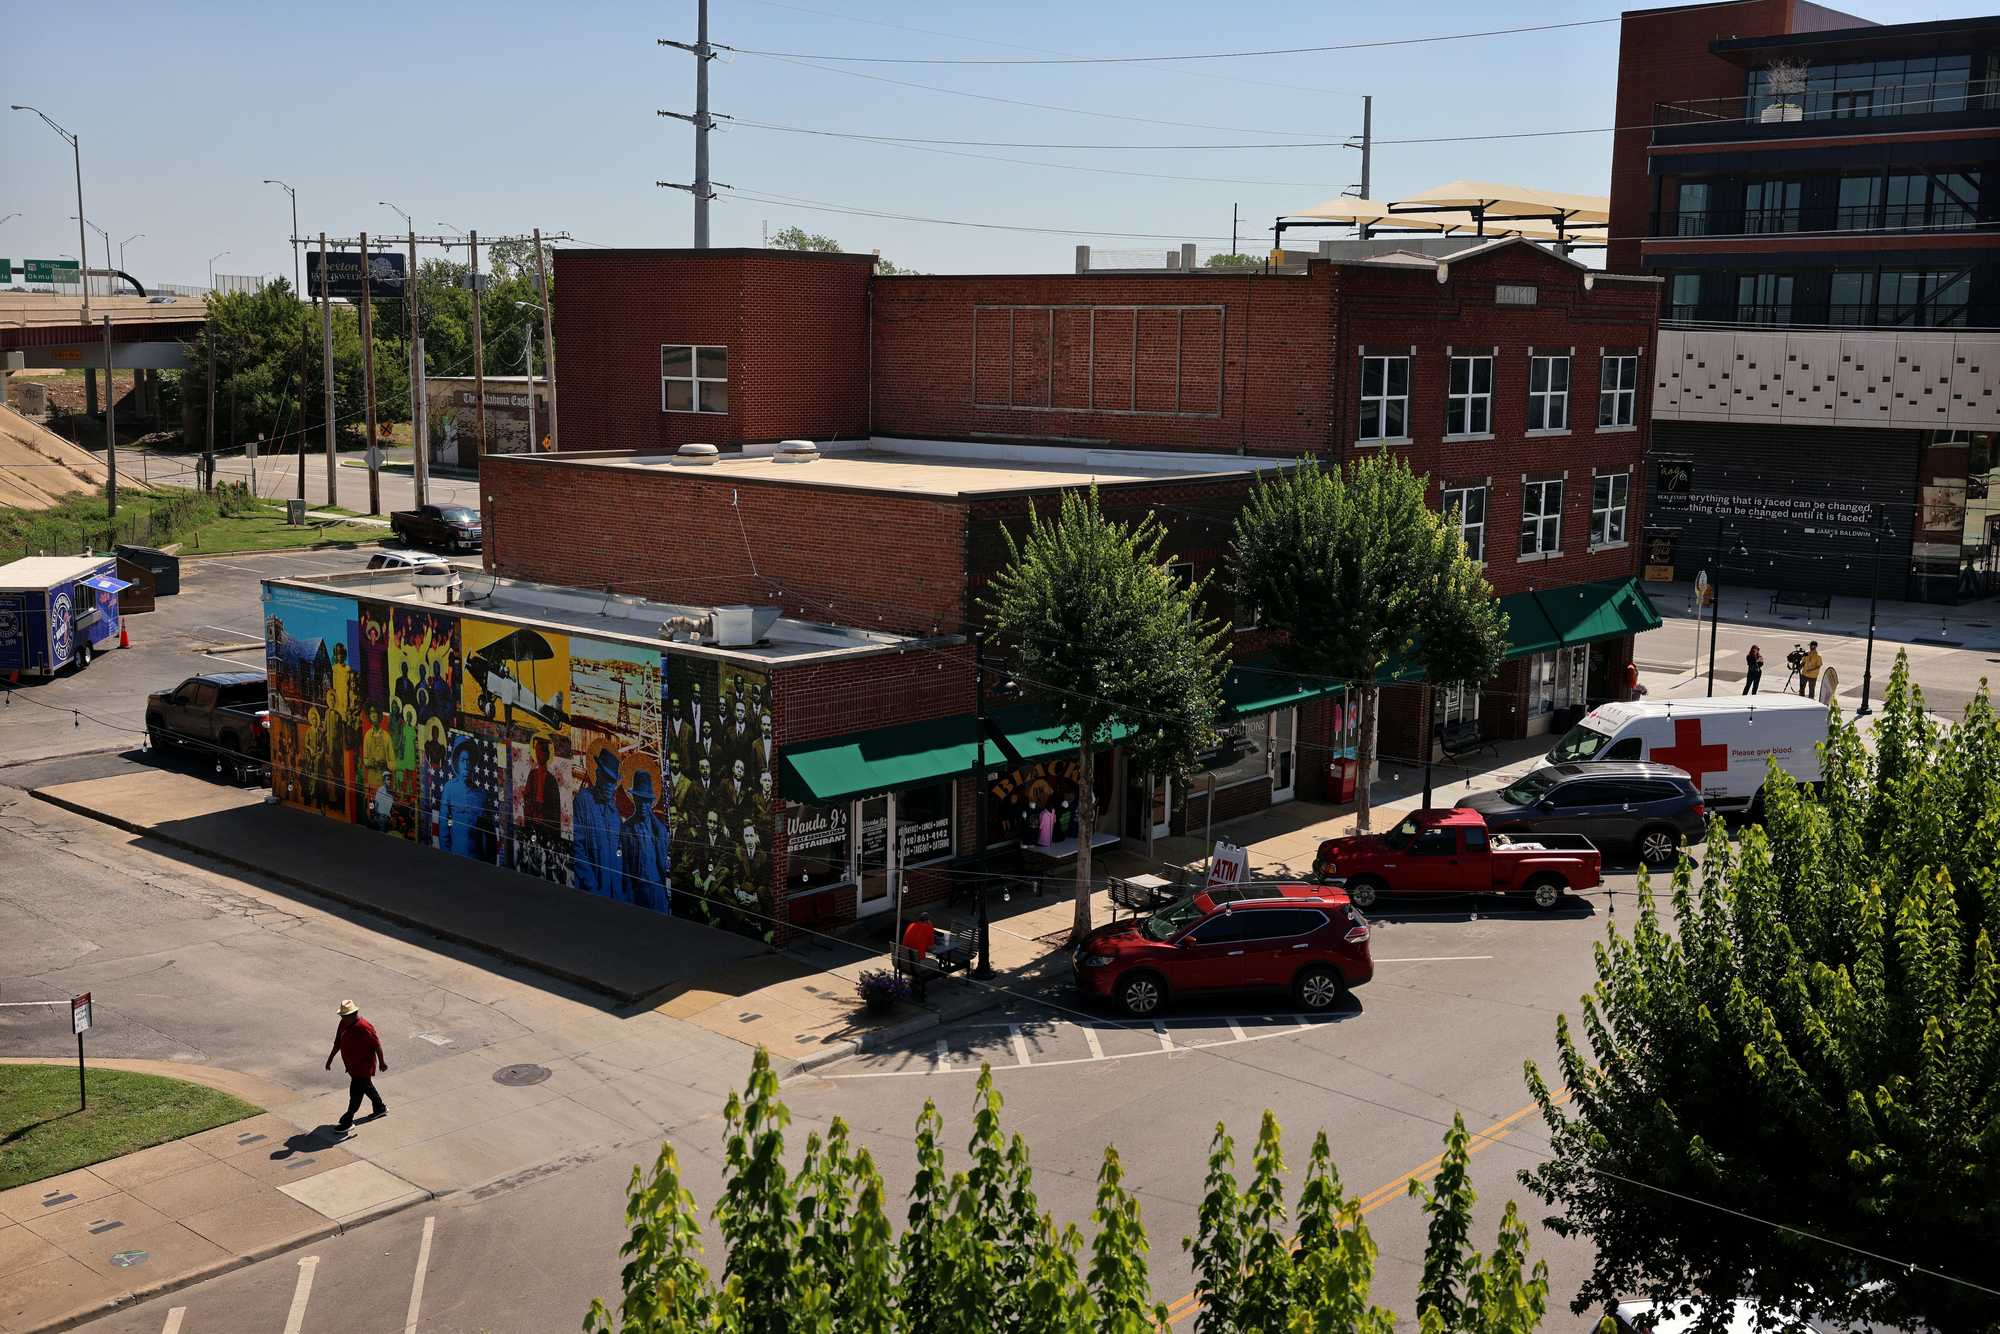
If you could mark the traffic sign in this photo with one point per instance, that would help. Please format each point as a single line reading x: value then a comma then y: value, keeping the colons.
x: 52, y: 270
x: 79, y: 1013
x: 6, y: 270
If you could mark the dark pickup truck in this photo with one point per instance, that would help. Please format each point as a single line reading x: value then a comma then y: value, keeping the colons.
x: 220, y: 716
x: 439, y: 527
x: 1450, y: 851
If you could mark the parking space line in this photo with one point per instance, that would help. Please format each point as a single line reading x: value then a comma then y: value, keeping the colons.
x: 942, y: 1061
x: 173, y: 1324
x: 1236, y: 1030
x: 1020, y: 1045
x: 417, y: 1287
x: 1160, y: 1030
x: 295, y: 1319
x: 1167, y: 1045
x: 1090, y: 1039
x: 1438, y: 958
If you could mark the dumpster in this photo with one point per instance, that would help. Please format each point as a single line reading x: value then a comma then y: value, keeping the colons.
x: 56, y: 611
x: 166, y: 568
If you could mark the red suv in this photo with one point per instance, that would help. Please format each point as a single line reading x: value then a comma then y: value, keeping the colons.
x: 1307, y: 939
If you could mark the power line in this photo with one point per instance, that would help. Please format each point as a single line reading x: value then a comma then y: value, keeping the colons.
x: 824, y: 207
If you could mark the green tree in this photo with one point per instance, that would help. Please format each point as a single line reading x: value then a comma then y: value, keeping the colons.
x: 978, y: 1254
x: 1799, y: 1073
x: 798, y: 238
x: 1358, y: 573
x: 1102, y: 635
x: 1235, y: 261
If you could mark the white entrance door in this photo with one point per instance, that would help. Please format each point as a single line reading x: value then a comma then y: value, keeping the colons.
x: 1284, y: 755
x: 1162, y: 807
x: 874, y: 859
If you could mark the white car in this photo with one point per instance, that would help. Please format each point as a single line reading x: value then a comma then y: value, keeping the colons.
x: 1721, y: 742
x: 404, y: 560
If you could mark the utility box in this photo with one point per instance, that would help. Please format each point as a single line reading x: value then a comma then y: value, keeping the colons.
x: 163, y: 570
x: 295, y: 513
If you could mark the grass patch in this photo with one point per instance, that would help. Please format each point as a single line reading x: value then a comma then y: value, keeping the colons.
x: 268, y: 531
x: 42, y: 1134
x: 227, y: 519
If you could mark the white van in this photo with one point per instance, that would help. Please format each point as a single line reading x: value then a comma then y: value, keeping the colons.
x: 1722, y: 743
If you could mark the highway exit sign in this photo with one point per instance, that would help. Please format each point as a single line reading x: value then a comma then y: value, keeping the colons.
x: 52, y: 270
x: 6, y: 270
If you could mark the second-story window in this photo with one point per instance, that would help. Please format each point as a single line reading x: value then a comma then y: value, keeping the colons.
x: 1465, y: 508
x: 1609, y: 493
x: 1385, y: 398
x: 1764, y: 298
x: 1468, y: 406
x: 694, y: 379
x: 1684, y: 297
x: 1541, y: 517
x: 1617, y: 388
x: 1548, y: 393
x: 1771, y: 206
x: 1691, y: 218
x: 1860, y: 203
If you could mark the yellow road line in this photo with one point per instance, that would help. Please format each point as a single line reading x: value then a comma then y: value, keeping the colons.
x: 1398, y: 1188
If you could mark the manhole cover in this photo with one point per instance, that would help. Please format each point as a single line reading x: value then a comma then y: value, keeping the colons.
x: 126, y: 1259
x: 520, y: 1076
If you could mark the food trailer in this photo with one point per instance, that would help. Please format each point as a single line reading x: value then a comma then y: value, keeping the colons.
x: 56, y: 611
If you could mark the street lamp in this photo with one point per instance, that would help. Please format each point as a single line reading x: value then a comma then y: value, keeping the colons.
x: 76, y: 153
x: 407, y: 221
x: 107, y: 247
x: 460, y: 231
x: 211, y: 267
x: 135, y: 236
x: 1734, y: 542
x: 268, y: 180
x: 528, y: 364
x: 11, y: 216
x: 1878, y: 524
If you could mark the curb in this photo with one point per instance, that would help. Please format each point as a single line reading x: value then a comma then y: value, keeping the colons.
x: 216, y: 1269
x: 281, y: 551
x: 387, y: 914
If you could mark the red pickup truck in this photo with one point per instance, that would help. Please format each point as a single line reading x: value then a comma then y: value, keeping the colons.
x: 1451, y: 852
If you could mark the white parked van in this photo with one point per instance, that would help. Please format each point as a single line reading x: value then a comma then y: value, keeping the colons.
x: 1722, y: 743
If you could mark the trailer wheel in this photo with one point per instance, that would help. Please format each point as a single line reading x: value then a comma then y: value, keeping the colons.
x: 1546, y: 891
x: 82, y: 658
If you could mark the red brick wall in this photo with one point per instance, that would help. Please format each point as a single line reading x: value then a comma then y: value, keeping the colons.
x: 795, y: 325
x: 1663, y: 56
x: 859, y: 558
x: 1223, y: 363
x: 1396, y: 308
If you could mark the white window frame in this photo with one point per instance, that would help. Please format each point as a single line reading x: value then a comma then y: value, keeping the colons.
x: 694, y: 379
x: 1552, y: 403
x: 1466, y: 530
x: 1477, y: 403
x: 1545, y: 526
x: 1617, y: 391
x: 1375, y: 407
x: 1458, y: 703
x: 1616, y: 501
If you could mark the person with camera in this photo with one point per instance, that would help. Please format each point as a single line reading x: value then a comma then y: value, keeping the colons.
x: 1810, y: 667
x: 1753, y: 673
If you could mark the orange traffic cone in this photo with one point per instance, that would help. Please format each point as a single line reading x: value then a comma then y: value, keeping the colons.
x: 124, y: 639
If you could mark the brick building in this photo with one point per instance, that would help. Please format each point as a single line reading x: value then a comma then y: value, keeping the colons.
x: 1816, y: 192
x: 941, y: 408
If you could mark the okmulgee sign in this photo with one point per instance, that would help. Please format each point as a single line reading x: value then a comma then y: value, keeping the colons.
x: 343, y: 274
x: 51, y: 271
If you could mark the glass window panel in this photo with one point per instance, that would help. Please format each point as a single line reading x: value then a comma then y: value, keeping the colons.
x: 925, y: 824
x: 712, y: 363
x: 676, y: 360
x: 1371, y: 376
x: 714, y: 396
x: 680, y: 396
x: 816, y: 845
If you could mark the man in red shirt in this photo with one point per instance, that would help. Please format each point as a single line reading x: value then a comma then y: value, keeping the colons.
x: 918, y: 938
x: 360, y: 1050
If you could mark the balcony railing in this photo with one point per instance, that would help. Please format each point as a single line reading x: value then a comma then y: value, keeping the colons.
x: 1855, y: 218
x: 1918, y: 98
x: 1841, y: 316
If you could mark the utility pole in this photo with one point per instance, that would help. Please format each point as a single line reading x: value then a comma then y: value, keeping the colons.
x: 478, y: 351
x: 297, y: 290
x: 208, y: 448
x: 326, y: 371
x: 368, y: 384
x: 419, y: 424
x: 528, y: 365
x: 703, y: 189
x: 1232, y: 229
x: 548, y: 338
x: 111, y: 440
x: 1878, y: 519
x: 1367, y: 141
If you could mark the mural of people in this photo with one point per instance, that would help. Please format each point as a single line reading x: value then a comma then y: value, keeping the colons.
x: 645, y: 845
x: 718, y: 756
x: 465, y: 802
x: 541, y: 845
x: 594, y: 830
x: 378, y: 761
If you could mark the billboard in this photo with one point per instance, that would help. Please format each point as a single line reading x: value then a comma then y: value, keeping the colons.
x: 343, y: 273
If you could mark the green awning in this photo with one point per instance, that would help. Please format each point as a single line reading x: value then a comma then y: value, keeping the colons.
x: 1528, y: 628
x: 1607, y: 609
x: 1029, y: 732
x: 1261, y: 684
x: 884, y: 760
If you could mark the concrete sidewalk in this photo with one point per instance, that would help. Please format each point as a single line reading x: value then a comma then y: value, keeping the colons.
x: 75, y: 1245
x: 1973, y: 625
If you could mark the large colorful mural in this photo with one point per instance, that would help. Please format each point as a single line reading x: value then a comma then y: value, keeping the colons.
x: 607, y: 767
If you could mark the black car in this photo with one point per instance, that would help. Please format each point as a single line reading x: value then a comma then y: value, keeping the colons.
x: 1653, y: 809
x: 446, y: 527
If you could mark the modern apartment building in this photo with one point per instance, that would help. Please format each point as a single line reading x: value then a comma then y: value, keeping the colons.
x: 1817, y: 193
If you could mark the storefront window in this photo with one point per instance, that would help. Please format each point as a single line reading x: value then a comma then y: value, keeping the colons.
x: 925, y: 820
x: 816, y: 846
x: 1541, y: 685
x: 1243, y: 756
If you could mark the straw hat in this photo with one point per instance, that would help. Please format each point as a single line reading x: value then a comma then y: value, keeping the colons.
x: 348, y: 1007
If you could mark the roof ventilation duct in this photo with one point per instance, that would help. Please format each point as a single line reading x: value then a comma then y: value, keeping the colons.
x: 695, y: 456
x: 796, y: 451
x: 742, y: 626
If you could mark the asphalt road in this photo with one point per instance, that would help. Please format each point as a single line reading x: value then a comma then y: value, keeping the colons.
x: 1462, y: 995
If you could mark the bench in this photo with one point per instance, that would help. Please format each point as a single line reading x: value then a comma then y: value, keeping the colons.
x: 1143, y: 893
x: 1804, y: 601
x: 951, y: 954
x: 1463, y: 738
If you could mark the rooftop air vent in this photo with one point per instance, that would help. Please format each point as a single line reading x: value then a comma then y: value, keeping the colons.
x: 796, y: 451
x: 740, y: 626
x: 695, y: 456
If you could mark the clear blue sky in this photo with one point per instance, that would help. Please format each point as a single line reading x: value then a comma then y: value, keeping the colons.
x: 502, y: 116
